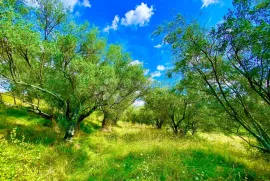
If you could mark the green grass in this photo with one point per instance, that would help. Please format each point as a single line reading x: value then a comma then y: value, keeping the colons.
x: 34, y: 150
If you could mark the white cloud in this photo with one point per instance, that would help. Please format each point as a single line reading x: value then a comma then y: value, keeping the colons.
x: 139, y: 103
x: 146, y: 71
x: 206, y: 3
x: 67, y: 3
x: 158, y: 46
x: 138, y: 17
x: 78, y: 14
x: 156, y: 74
x: 70, y: 3
x: 135, y: 62
x: 30, y: 3
x: 86, y: 3
x: 114, y: 25
x: 4, y: 85
x: 160, y: 68
x: 220, y: 22
x: 2, y: 90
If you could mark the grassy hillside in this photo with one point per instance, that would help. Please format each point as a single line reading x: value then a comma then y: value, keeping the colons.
x: 31, y: 148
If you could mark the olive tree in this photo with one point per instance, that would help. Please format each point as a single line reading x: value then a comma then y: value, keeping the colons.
x: 67, y: 65
x: 157, y: 104
x: 173, y: 107
x: 131, y: 84
x: 233, y: 63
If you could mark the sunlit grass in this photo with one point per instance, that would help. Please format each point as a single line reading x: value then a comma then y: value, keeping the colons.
x: 10, y: 100
x: 126, y: 152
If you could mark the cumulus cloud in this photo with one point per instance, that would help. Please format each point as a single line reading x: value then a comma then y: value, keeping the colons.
x: 77, y: 14
x: 160, y: 67
x: 30, y: 3
x: 206, y: 3
x: 67, y: 3
x: 138, y: 17
x: 86, y: 3
x: 135, y: 62
x: 158, y: 46
x: 2, y: 90
x: 146, y: 71
x: 70, y: 3
x: 156, y: 74
x: 114, y: 25
x: 139, y: 103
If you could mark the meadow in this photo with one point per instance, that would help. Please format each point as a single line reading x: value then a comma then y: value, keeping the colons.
x: 32, y: 148
x: 169, y: 90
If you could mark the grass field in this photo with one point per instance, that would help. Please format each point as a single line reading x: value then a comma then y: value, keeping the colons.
x: 31, y: 148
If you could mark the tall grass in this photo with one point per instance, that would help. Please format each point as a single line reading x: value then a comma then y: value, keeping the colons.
x: 31, y: 148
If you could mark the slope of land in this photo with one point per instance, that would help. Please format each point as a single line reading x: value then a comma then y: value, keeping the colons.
x: 31, y: 148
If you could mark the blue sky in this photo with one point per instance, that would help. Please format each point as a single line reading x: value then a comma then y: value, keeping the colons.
x: 131, y: 23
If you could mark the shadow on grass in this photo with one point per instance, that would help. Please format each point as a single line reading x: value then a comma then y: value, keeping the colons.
x: 177, y: 165
x: 9, y: 113
x: 206, y: 164
x: 89, y: 127
x: 32, y: 134
x: 14, y: 112
x: 35, y: 129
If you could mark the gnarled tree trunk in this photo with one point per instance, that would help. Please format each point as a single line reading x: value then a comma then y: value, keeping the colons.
x: 70, y: 132
x: 75, y: 122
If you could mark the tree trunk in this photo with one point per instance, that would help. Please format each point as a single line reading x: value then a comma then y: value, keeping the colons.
x: 104, y: 121
x: 70, y: 132
x: 40, y: 113
x: 175, y: 130
x: 75, y: 122
x: 38, y: 103
x: 72, y: 128
x: 174, y: 125
x: 159, y: 123
x: 14, y: 99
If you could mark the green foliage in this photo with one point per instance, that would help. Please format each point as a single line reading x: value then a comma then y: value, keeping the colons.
x: 177, y: 107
